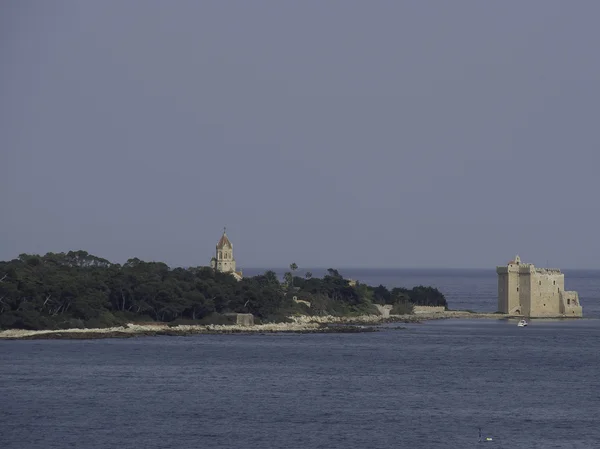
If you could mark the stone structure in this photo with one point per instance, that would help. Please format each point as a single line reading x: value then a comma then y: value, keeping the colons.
x: 224, y: 260
x: 533, y: 292
x: 240, y: 319
x: 428, y: 309
x: 384, y: 310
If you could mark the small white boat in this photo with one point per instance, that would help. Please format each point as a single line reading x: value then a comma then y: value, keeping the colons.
x: 486, y: 439
x: 522, y: 323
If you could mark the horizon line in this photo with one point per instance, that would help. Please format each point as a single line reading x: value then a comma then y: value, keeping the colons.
x: 399, y: 268
x: 286, y: 267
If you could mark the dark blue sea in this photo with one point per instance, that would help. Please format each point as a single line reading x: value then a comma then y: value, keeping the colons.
x: 429, y: 385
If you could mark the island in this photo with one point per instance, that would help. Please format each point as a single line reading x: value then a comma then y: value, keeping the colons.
x: 78, y: 292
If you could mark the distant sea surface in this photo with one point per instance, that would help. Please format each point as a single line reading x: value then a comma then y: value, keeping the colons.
x: 422, y: 386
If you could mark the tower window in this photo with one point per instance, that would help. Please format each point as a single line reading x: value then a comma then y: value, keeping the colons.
x: 554, y: 282
x: 517, y: 288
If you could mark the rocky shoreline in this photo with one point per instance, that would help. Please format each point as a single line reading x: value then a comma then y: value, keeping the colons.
x: 300, y: 324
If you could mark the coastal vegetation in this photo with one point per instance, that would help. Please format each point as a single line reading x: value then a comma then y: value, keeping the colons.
x: 79, y: 290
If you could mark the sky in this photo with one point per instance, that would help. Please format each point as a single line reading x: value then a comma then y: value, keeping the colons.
x: 329, y: 133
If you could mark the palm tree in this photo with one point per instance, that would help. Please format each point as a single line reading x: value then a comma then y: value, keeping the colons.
x: 293, y: 267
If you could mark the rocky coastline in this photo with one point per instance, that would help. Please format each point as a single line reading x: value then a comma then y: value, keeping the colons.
x: 303, y: 324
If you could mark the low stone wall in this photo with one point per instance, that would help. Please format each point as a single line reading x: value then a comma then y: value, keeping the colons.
x: 384, y: 310
x: 241, y: 319
x: 429, y: 309
x: 301, y: 301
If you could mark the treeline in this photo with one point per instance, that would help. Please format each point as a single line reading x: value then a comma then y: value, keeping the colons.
x: 78, y: 289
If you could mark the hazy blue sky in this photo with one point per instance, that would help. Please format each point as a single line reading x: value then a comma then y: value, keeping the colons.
x: 329, y: 133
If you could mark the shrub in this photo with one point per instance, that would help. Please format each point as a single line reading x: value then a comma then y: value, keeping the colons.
x: 403, y: 308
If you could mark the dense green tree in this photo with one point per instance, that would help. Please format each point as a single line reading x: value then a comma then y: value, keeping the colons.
x: 77, y: 289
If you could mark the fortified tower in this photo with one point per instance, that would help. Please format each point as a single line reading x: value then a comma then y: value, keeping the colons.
x: 526, y: 290
x: 223, y: 260
x: 508, y: 287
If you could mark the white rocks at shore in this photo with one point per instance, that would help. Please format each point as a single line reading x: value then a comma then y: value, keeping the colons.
x: 302, y: 323
x: 159, y: 327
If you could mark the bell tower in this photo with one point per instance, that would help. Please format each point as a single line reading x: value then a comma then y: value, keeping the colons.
x: 223, y: 260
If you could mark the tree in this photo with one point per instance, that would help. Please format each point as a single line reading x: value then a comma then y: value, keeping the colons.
x: 293, y: 267
x: 334, y: 273
x: 382, y: 295
x: 308, y: 275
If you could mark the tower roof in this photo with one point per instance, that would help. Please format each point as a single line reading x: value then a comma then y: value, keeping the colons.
x: 224, y: 241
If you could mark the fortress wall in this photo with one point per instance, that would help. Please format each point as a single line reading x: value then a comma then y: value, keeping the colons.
x: 525, y: 292
x: 502, y: 289
x: 546, y: 288
x: 570, y: 305
x: 508, y: 288
x: 513, y: 288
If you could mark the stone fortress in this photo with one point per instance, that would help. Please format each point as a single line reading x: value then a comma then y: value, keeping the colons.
x: 223, y: 260
x: 534, y: 292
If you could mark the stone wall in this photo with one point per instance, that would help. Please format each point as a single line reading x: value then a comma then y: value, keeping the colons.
x: 508, y: 288
x: 570, y: 305
x: 429, y: 309
x: 545, y: 295
x: 384, y: 310
x: 241, y: 319
x: 301, y: 301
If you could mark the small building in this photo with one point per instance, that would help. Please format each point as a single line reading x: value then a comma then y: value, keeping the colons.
x: 224, y: 260
x: 534, y: 292
x: 241, y: 319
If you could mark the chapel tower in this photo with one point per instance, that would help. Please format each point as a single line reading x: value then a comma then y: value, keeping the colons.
x: 223, y: 260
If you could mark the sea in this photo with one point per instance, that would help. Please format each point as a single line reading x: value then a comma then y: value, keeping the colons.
x: 436, y: 384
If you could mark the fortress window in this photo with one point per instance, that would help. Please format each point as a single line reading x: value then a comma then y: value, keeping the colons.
x: 568, y: 301
x: 517, y: 288
x: 554, y: 282
x: 539, y: 282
